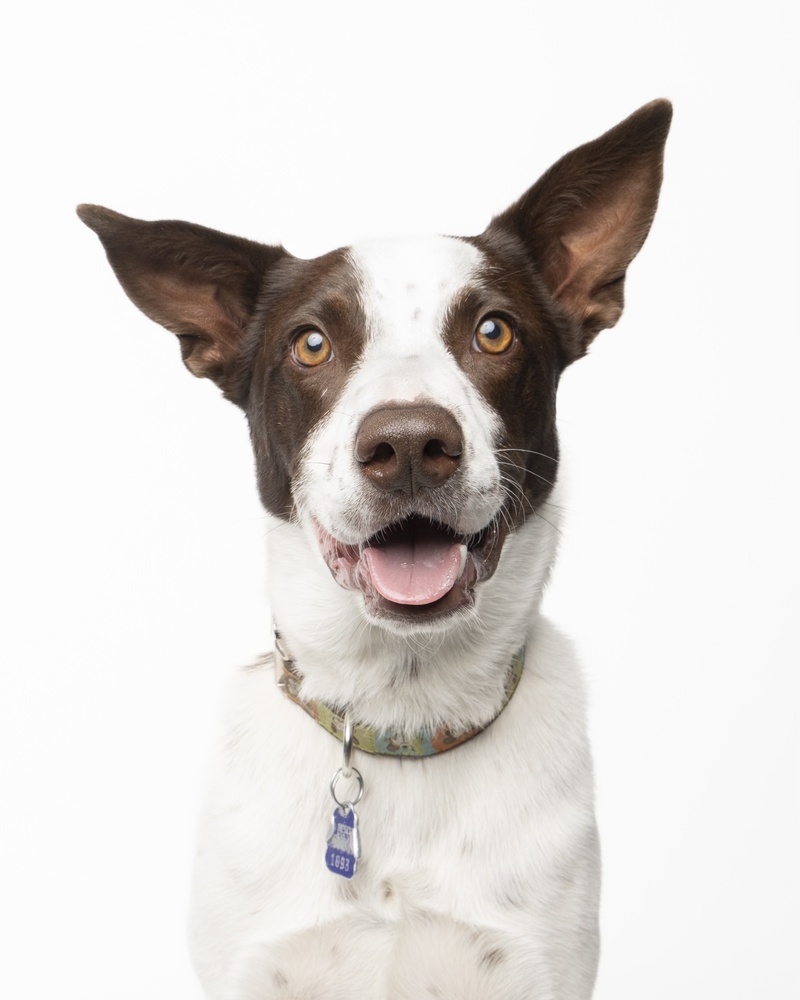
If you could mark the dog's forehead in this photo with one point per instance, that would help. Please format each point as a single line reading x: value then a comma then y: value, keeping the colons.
x: 407, y: 290
x: 408, y: 284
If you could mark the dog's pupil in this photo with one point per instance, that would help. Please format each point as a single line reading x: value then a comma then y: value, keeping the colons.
x: 490, y: 329
x: 314, y: 342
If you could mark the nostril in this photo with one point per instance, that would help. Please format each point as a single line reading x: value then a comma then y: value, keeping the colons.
x: 370, y: 447
x: 383, y: 454
x: 439, y: 449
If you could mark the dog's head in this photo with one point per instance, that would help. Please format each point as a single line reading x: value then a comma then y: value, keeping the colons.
x: 401, y: 395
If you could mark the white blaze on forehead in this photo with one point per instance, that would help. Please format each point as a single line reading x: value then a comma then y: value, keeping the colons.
x: 406, y: 288
x: 423, y: 273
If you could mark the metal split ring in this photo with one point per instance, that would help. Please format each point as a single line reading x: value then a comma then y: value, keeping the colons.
x: 354, y: 772
x: 347, y: 746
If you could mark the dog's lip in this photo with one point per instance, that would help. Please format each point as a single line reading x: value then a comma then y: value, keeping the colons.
x: 459, y: 561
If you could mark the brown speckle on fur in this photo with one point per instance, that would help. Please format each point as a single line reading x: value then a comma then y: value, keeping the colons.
x: 493, y: 958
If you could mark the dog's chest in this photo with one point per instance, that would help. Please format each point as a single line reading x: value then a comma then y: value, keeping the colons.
x: 458, y: 869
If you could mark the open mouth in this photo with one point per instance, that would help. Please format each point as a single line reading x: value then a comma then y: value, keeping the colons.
x: 415, y: 568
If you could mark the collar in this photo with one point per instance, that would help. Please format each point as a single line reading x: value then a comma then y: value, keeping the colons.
x: 422, y: 743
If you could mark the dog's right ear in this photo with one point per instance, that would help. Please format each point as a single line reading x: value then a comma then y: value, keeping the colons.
x: 200, y: 284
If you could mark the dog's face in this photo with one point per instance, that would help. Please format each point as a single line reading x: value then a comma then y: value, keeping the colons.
x: 401, y: 395
x: 423, y: 390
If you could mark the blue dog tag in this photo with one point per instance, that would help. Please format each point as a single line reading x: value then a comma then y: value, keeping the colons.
x: 344, y: 848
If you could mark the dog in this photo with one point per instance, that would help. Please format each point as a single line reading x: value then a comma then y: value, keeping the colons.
x: 408, y: 812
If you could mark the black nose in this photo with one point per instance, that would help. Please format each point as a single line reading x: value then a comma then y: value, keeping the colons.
x: 404, y: 447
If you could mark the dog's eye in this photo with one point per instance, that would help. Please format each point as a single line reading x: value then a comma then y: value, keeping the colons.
x: 493, y: 336
x: 311, y: 348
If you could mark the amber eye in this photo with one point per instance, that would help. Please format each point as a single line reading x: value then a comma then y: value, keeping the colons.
x: 493, y: 336
x: 311, y: 348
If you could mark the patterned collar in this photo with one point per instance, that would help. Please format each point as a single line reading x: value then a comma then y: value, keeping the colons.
x: 422, y: 743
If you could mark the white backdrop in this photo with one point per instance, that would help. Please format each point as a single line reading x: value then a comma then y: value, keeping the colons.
x: 132, y: 556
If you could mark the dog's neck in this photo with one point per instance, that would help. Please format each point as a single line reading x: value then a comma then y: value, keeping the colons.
x: 454, y: 677
x: 337, y: 720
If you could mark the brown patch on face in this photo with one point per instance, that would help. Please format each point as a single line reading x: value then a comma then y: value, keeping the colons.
x: 284, y: 400
x: 519, y: 384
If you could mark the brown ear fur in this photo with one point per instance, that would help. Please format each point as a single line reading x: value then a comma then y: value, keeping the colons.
x: 586, y: 219
x: 200, y: 284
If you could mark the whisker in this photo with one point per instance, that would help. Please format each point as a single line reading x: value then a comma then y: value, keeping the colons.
x: 526, y: 471
x: 526, y: 451
x: 511, y: 486
x: 555, y: 527
x: 518, y: 506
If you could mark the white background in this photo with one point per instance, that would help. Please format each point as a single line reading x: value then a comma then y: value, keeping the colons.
x: 132, y: 551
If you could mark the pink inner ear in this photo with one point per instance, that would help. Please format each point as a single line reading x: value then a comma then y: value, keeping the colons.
x: 183, y: 304
x: 198, y: 309
x: 588, y: 264
x: 600, y: 243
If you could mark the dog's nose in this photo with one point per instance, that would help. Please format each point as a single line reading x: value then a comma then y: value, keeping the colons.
x: 403, y: 447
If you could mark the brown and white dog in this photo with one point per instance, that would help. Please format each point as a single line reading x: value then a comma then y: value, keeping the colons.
x: 401, y: 402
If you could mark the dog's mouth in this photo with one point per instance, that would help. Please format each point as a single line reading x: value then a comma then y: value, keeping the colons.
x: 415, y: 568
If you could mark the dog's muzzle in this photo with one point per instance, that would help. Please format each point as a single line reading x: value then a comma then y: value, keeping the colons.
x: 417, y: 566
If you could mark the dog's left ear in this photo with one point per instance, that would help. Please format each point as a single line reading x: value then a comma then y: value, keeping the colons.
x: 586, y: 219
x: 201, y: 284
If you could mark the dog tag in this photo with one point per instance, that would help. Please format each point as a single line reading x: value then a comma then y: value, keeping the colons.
x: 344, y: 848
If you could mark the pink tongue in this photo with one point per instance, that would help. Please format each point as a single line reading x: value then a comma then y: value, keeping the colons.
x: 416, y: 571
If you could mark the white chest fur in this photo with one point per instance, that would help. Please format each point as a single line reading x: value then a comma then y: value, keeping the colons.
x: 479, y: 871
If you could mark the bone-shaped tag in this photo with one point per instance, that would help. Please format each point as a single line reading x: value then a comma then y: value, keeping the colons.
x: 343, y: 849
